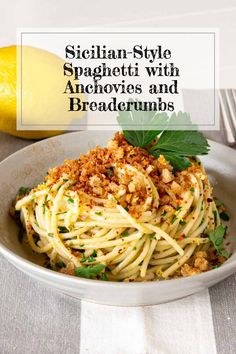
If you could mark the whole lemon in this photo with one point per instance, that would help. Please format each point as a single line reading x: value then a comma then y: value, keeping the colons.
x: 42, y: 86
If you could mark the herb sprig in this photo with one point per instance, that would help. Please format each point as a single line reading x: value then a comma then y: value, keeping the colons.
x: 23, y: 191
x: 63, y: 229
x: 217, y: 239
x: 90, y: 258
x: 175, y: 145
x: 90, y: 272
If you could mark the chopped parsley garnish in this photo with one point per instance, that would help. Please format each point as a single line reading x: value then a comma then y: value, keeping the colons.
x: 60, y: 265
x: 89, y: 272
x: 70, y: 201
x: 174, y: 219
x: 224, y: 216
x: 175, y: 145
x: 63, y: 229
x: 191, y: 189
x: 125, y: 234
x: 65, y: 180
x: 90, y: 258
x: 50, y: 234
x: 215, y: 266
x: 94, y: 254
x: 164, y: 213
x: 178, y: 208
x: 218, y: 202
x: 217, y: 239
x: 87, y: 259
x: 110, y: 173
x: 104, y: 277
x: 98, y: 213
x: 182, y: 222
x: 152, y: 237
x: 23, y: 191
x: 44, y: 207
x: 134, y: 248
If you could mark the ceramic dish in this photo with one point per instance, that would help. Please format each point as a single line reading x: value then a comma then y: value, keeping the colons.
x: 27, y: 167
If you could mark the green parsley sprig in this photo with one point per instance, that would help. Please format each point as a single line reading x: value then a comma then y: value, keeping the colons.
x: 217, y: 239
x: 63, y: 229
x: 90, y: 272
x: 23, y: 191
x: 90, y: 258
x: 175, y: 145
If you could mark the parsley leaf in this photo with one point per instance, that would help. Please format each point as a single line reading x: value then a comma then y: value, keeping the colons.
x: 175, y: 145
x: 174, y: 219
x: 183, y: 143
x: 87, y: 259
x: 98, y: 213
x: 104, y: 277
x: 218, y: 202
x: 23, y: 191
x: 90, y: 258
x: 142, y: 120
x: 140, y: 138
x: 217, y: 239
x: 89, y: 272
x: 110, y: 173
x: 63, y: 229
x: 224, y: 216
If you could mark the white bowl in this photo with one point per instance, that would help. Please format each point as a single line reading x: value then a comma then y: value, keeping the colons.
x: 27, y: 167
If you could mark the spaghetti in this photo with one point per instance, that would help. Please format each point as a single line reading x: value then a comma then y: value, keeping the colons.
x: 119, y: 207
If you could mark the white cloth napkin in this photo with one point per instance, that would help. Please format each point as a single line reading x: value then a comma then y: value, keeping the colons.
x: 180, y: 327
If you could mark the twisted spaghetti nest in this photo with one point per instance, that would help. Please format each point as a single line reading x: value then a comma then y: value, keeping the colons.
x: 120, y: 207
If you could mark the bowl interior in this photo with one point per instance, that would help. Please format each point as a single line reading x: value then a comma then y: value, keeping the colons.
x: 29, y: 166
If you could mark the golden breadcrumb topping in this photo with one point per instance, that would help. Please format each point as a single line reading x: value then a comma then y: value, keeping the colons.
x: 94, y: 174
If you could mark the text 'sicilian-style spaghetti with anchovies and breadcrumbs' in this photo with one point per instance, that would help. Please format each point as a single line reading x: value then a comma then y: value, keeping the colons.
x: 121, y: 214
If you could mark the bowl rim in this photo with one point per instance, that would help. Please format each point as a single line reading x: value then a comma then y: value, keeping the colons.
x: 227, y: 267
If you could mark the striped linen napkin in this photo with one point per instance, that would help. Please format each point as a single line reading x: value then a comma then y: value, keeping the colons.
x: 36, y: 319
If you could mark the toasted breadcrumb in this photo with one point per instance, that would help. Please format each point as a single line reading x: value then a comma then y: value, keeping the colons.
x: 95, y: 175
x: 187, y: 270
x: 167, y: 176
x: 69, y: 269
x: 200, y: 264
